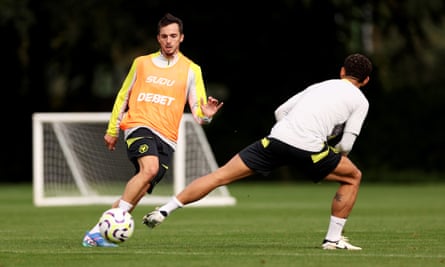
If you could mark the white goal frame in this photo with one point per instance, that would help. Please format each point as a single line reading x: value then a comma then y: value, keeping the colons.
x: 87, y: 195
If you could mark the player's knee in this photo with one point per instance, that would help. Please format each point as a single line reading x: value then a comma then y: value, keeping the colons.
x: 224, y: 176
x: 147, y: 174
x: 357, y: 175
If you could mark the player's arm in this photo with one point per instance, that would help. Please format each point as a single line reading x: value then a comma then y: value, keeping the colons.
x: 119, y: 108
x: 346, y: 143
x: 352, y: 128
x: 286, y: 107
x: 202, y: 107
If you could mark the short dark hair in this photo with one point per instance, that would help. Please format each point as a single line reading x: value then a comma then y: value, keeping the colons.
x: 357, y: 66
x: 168, y: 19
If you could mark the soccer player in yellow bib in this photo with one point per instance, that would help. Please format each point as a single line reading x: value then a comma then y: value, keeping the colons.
x: 314, y: 131
x: 148, y: 109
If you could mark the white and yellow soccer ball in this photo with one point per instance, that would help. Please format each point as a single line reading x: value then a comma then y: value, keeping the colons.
x: 116, y: 225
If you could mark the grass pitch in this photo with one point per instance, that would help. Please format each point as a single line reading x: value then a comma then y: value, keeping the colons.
x: 271, y: 225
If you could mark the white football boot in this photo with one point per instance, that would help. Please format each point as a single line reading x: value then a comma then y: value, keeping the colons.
x: 154, y: 218
x: 340, y: 244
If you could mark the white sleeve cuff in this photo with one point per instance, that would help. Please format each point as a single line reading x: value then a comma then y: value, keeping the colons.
x: 346, y: 143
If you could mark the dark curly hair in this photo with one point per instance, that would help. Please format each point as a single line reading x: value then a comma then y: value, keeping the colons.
x: 357, y: 66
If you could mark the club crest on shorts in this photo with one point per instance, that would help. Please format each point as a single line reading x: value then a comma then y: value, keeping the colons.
x: 143, y: 148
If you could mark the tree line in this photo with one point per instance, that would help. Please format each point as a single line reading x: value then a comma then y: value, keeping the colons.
x: 65, y: 56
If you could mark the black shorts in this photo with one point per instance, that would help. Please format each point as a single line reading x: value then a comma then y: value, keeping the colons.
x: 267, y: 154
x: 143, y: 142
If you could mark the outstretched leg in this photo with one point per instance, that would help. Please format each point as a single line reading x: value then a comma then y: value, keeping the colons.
x: 233, y: 170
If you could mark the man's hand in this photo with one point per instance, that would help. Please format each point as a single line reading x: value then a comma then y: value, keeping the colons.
x: 110, y: 142
x: 211, y: 107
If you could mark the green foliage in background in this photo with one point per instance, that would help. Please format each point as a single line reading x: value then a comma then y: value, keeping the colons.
x: 78, y: 60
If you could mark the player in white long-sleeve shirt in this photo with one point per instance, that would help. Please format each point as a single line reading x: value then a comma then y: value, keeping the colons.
x: 315, y: 131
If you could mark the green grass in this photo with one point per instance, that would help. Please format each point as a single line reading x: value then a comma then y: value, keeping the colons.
x: 271, y: 225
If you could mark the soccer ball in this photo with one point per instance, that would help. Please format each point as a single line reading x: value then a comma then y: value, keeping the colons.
x: 116, y: 225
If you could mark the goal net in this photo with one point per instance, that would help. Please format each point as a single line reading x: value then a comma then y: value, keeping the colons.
x: 72, y: 166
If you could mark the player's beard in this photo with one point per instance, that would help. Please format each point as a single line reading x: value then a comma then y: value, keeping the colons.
x: 169, y: 52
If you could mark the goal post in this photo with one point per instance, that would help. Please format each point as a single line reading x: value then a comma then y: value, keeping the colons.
x: 72, y: 166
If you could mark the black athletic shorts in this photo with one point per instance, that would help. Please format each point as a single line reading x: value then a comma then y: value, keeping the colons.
x: 143, y: 142
x: 267, y: 154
